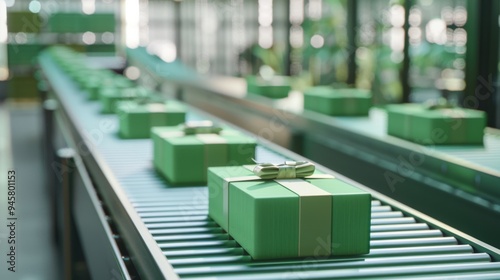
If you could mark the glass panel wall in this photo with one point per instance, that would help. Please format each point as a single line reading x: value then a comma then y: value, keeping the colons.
x: 380, y: 41
x: 437, y: 49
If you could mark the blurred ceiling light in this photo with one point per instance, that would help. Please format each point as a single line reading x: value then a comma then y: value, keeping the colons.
x: 108, y: 37
x: 296, y: 11
x: 35, y: 6
x: 166, y: 51
x: 131, y: 23
x: 296, y: 36
x: 435, y: 31
x: 397, y: 42
x: 132, y: 72
x: 447, y: 15
x: 315, y: 9
x: 265, y: 36
x: 265, y: 21
x: 88, y: 6
x: 397, y: 15
x: 265, y: 12
x: 460, y: 37
x: 317, y: 41
x: 415, y: 34
x: 460, y: 16
x: 415, y: 17
x: 88, y: 38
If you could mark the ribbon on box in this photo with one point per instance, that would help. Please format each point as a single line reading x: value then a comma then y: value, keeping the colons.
x: 287, y: 170
x: 201, y: 127
x: 215, y: 150
x: 290, y: 175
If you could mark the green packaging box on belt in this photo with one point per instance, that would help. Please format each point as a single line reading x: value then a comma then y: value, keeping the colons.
x: 23, y: 54
x: 276, y: 87
x: 93, y: 85
x: 110, y: 96
x: 66, y: 23
x: 183, y: 153
x: 271, y: 218
x: 436, y: 126
x: 338, y: 102
x: 136, y: 118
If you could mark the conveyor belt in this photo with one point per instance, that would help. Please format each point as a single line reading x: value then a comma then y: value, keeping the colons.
x: 459, y: 185
x: 486, y: 157
x: 402, y: 247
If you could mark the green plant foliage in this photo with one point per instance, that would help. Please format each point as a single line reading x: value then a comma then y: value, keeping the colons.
x: 326, y: 62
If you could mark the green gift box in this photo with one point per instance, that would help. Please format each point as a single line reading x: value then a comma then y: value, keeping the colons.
x: 23, y: 54
x: 137, y: 119
x: 338, y: 102
x: 275, y: 87
x: 65, y: 22
x: 99, y: 22
x: 183, y: 158
x: 440, y: 126
x: 110, y: 96
x: 313, y: 216
x: 109, y: 81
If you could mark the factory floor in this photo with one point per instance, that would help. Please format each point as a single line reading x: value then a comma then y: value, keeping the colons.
x: 21, y: 151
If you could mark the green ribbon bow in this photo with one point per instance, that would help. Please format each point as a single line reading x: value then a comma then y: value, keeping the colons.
x: 287, y: 170
x: 201, y: 127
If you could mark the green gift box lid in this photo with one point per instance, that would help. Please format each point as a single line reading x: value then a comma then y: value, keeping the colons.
x: 275, y: 87
x: 110, y: 96
x: 338, y: 102
x: 271, y: 221
x: 183, y: 159
x: 440, y: 126
x: 136, y: 118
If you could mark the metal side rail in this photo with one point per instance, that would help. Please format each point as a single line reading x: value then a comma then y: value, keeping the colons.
x: 168, y: 234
